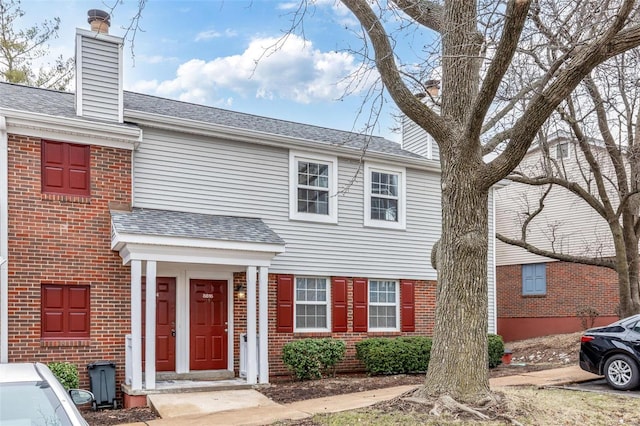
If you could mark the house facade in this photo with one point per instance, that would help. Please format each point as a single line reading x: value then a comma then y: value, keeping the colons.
x: 224, y: 235
x: 539, y: 296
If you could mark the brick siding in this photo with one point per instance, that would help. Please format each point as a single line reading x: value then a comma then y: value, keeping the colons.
x: 425, y: 302
x: 570, y: 287
x: 66, y: 240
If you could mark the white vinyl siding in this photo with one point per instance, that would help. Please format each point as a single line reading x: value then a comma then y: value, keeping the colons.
x: 418, y: 141
x: 567, y: 223
x: 99, y: 84
x: 491, y: 266
x: 174, y: 171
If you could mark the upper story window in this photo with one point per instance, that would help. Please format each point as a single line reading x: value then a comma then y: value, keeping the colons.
x: 384, y: 202
x: 384, y: 309
x: 65, y: 312
x: 66, y: 168
x: 313, y: 188
x: 311, y: 304
x: 562, y: 150
x: 534, y: 279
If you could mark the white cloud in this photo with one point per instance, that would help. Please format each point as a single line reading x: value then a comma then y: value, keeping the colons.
x: 207, y: 35
x: 269, y: 68
x: 211, y: 34
x: 156, y: 59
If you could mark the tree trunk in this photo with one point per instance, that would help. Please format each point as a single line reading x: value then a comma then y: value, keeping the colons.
x: 458, y: 366
x: 629, y: 290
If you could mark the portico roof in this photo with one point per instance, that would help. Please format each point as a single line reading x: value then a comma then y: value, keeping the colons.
x: 151, y: 234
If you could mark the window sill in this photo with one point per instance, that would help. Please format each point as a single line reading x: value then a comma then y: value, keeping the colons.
x: 64, y: 343
x: 66, y: 198
x: 384, y: 333
x: 534, y: 296
x: 311, y: 334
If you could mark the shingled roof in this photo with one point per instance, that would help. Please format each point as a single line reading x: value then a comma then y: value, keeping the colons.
x: 151, y: 222
x: 61, y: 104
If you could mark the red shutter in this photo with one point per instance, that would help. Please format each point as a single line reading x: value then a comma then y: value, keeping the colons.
x: 66, y: 168
x: 65, y: 311
x: 360, y: 317
x: 407, y: 306
x: 285, y: 304
x: 339, y: 304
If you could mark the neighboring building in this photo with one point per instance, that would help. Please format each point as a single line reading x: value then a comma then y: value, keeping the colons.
x: 538, y: 296
x: 118, y: 208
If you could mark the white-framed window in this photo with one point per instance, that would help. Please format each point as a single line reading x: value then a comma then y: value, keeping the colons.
x: 562, y: 150
x: 313, y: 187
x: 312, y: 302
x: 384, y: 305
x: 384, y: 196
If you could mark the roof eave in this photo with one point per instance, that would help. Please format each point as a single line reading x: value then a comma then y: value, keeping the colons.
x: 263, y: 138
x: 74, y: 130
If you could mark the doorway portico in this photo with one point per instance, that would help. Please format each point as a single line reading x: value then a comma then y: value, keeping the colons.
x: 185, y: 262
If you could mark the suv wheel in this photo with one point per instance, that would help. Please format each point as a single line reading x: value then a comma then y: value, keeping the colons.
x: 622, y: 372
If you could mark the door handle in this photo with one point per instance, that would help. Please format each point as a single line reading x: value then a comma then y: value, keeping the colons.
x: 173, y: 333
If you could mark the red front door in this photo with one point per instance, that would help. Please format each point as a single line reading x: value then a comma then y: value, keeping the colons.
x: 208, y: 316
x: 165, y: 323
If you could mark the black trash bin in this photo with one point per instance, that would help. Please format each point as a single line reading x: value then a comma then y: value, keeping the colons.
x: 102, y: 379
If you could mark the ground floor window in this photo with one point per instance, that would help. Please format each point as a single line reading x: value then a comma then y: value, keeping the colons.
x: 383, y: 305
x: 311, y: 304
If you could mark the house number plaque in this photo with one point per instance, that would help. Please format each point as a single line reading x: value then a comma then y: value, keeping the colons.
x: 207, y: 295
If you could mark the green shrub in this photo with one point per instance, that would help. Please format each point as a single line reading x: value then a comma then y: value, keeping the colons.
x: 496, y: 350
x: 66, y: 373
x: 384, y: 355
x: 311, y: 358
x: 381, y: 355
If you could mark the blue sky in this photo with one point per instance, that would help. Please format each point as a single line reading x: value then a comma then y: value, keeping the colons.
x: 206, y: 51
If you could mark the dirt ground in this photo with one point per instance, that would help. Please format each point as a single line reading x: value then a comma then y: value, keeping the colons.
x: 527, y: 355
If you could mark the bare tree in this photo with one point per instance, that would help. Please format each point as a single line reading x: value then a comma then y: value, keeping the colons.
x: 477, y: 45
x: 481, y: 109
x: 602, y: 172
x: 19, y: 48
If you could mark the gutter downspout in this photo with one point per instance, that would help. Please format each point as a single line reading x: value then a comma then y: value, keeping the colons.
x: 4, y: 242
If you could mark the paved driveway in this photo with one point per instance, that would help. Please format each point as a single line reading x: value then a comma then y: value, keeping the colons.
x: 601, y: 386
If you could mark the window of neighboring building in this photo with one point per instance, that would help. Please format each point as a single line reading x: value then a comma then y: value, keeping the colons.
x: 384, y: 197
x: 65, y: 311
x: 66, y: 168
x: 534, y: 279
x: 384, y: 308
x: 311, y: 304
x: 562, y: 150
x: 313, y: 188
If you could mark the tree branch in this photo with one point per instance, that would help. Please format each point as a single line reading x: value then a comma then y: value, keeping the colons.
x: 417, y: 111
x: 595, y: 261
x: 424, y: 12
x: 516, y: 15
x: 580, y: 64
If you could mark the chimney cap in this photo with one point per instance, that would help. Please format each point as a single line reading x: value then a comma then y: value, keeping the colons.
x: 98, y: 15
x: 432, y: 83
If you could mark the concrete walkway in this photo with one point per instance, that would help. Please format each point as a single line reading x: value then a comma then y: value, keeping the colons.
x: 250, y: 407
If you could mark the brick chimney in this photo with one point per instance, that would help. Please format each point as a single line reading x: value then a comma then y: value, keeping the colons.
x: 99, y: 92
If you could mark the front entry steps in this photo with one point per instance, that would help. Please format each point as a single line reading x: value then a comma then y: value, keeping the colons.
x: 195, y: 381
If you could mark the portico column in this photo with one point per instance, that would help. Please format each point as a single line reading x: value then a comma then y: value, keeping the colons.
x: 252, y: 368
x: 150, y: 327
x: 263, y: 324
x: 136, y: 324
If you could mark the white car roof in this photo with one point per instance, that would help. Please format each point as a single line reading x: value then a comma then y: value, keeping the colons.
x: 19, y: 372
